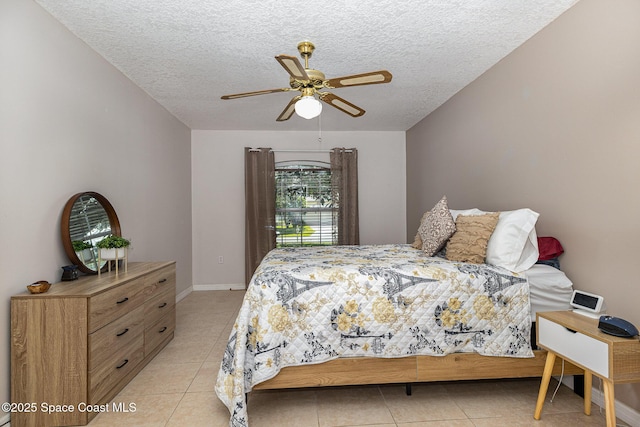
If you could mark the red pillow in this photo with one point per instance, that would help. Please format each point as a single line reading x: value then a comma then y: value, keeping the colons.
x: 549, y: 248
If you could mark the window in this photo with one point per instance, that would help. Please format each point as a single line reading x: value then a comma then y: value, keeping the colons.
x: 304, y: 207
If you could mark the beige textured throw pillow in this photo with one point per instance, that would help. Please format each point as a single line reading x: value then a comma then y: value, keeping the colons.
x: 469, y: 242
x: 436, y: 228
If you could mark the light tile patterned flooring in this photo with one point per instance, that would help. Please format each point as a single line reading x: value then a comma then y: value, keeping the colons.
x: 177, y: 389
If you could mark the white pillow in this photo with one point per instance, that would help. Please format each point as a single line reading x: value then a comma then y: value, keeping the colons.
x: 474, y: 211
x: 514, y: 242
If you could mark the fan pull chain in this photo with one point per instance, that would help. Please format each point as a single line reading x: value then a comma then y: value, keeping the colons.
x: 320, y: 129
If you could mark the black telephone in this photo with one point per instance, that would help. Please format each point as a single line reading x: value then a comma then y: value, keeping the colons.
x: 617, y: 326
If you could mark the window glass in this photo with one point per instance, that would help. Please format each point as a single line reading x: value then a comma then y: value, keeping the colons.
x: 304, y: 207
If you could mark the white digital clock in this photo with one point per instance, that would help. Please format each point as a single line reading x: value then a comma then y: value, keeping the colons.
x: 587, y: 304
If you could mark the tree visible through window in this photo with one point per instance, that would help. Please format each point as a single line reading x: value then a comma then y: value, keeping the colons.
x: 304, y: 206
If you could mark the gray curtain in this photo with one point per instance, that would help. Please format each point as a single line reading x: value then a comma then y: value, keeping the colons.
x: 344, y: 187
x: 260, y: 207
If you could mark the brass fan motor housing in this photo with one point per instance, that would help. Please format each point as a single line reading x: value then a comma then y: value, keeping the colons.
x: 316, y: 80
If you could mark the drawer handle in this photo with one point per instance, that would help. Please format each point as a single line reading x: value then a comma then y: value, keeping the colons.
x: 162, y: 280
x: 123, y: 332
x: 122, y: 364
x: 571, y: 330
x: 162, y: 330
x: 123, y: 300
x: 163, y: 305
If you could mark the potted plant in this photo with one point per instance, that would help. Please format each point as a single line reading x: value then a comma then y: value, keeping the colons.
x: 82, y: 249
x: 113, y: 247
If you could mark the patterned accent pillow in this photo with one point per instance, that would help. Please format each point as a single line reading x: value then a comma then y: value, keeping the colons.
x: 436, y: 228
x: 469, y: 242
x: 417, y: 240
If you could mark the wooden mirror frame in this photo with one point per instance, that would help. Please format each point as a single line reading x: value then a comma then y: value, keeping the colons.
x: 65, y: 231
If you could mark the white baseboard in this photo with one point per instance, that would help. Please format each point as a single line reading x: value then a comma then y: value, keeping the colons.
x: 231, y: 287
x: 626, y: 413
x: 182, y: 295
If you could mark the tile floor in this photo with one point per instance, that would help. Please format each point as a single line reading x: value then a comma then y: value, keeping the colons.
x: 177, y: 389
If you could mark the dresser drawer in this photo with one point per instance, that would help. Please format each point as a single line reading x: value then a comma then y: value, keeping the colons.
x: 159, y: 331
x: 588, y: 352
x: 161, y: 280
x: 114, y: 303
x: 159, y: 305
x: 108, y: 340
x: 106, y: 375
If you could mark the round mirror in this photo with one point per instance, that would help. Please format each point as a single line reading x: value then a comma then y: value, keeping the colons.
x: 86, y: 219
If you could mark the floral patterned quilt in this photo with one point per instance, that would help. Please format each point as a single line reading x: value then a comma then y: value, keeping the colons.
x: 310, y: 305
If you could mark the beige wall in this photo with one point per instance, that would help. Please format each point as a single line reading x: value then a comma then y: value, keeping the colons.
x: 70, y: 122
x: 218, y: 191
x: 555, y: 127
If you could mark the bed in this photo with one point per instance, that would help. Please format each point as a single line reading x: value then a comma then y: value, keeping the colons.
x: 377, y: 314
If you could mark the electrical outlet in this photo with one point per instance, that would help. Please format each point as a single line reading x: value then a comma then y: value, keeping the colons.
x: 220, y: 259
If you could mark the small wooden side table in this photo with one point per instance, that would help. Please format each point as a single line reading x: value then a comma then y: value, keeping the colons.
x: 577, y: 339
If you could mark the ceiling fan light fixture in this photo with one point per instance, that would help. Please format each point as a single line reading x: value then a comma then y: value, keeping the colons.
x: 308, y: 107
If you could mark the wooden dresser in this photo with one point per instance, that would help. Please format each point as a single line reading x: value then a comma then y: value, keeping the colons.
x: 81, y: 342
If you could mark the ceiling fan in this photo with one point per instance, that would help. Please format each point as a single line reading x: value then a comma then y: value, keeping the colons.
x: 310, y: 82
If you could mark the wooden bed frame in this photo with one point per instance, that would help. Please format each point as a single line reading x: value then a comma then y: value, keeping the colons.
x: 413, y: 369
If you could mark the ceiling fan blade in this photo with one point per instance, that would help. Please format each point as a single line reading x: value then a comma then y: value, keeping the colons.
x: 374, y: 77
x: 293, y: 67
x: 341, y: 104
x: 258, y: 92
x: 288, y: 110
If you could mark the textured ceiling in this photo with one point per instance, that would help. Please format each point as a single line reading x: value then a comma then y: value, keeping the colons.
x: 188, y: 53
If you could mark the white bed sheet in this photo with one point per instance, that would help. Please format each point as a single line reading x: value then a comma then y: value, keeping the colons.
x: 549, y: 289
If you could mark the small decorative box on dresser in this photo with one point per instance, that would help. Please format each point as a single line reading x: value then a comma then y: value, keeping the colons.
x: 81, y: 342
x: 576, y: 338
